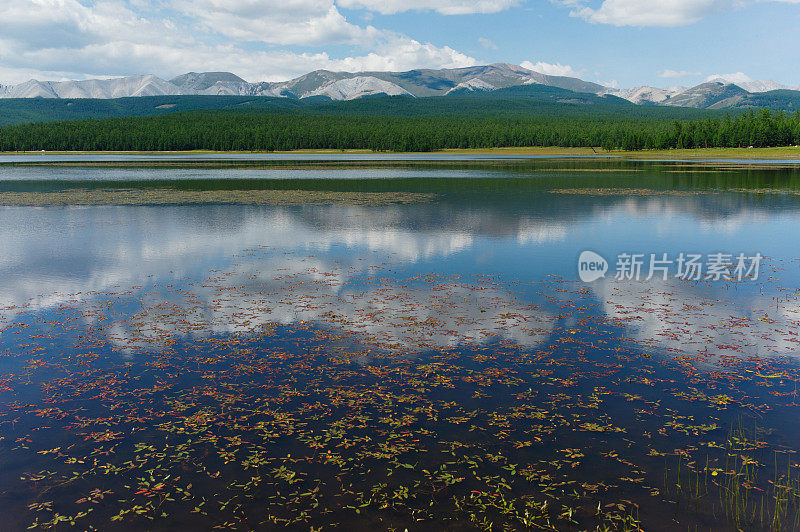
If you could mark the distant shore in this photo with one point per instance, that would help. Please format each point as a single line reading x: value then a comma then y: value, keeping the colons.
x: 788, y: 153
x: 784, y: 153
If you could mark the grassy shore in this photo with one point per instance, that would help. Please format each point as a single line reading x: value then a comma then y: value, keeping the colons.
x: 787, y: 153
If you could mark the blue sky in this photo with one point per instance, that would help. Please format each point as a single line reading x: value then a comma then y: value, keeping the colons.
x: 621, y: 43
x: 760, y: 39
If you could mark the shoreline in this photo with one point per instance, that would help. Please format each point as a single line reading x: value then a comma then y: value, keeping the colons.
x: 790, y: 153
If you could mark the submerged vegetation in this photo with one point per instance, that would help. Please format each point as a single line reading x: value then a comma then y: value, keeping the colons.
x: 166, y: 196
x: 198, y: 406
x: 400, y: 130
x: 294, y: 380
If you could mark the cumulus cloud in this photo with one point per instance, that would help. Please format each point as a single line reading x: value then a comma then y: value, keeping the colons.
x: 735, y: 77
x: 445, y: 7
x: 647, y: 12
x: 298, y: 22
x: 652, y: 13
x: 551, y: 69
x: 666, y: 13
x: 261, y: 40
x: 676, y: 73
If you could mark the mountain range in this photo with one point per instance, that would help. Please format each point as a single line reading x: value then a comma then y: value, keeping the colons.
x: 326, y: 85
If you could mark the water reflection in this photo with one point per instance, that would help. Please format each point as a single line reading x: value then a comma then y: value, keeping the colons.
x: 322, y: 264
x: 436, y: 361
x: 390, y: 316
x: 678, y: 317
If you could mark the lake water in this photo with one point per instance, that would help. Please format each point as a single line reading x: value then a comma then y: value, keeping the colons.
x: 435, y: 364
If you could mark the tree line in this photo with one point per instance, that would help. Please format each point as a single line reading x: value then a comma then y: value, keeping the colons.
x: 280, y: 131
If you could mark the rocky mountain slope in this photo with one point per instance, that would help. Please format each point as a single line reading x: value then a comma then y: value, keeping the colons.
x: 715, y: 94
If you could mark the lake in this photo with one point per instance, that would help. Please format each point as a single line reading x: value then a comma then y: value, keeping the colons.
x: 317, y: 344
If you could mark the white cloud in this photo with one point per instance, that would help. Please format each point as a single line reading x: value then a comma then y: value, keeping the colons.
x: 59, y: 39
x: 668, y: 73
x: 650, y: 12
x: 117, y: 59
x: 297, y: 22
x: 551, y: 69
x: 736, y: 77
x: 487, y: 43
x: 445, y: 7
x: 665, y: 13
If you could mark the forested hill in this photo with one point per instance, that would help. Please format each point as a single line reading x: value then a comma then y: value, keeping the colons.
x: 402, y: 124
x: 26, y: 110
x: 512, y: 100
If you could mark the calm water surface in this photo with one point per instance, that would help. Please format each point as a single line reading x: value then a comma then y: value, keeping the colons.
x: 436, y: 365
